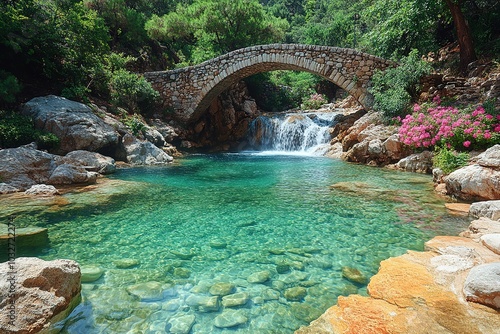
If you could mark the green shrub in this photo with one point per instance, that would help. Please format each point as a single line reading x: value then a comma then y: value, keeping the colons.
x: 132, y: 92
x: 9, y: 87
x: 393, y: 88
x: 134, y: 123
x: 449, y: 160
x: 17, y: 130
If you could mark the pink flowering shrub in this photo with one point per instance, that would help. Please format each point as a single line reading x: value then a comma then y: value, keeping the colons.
x: 315, y: 101
x: 435, y: 125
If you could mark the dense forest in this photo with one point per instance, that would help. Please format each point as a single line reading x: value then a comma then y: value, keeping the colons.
x: 95, y: 49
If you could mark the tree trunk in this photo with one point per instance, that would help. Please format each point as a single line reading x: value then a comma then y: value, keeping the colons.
x: 467, y: 53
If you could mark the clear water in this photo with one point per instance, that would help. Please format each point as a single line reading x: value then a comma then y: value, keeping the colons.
x: 222, y: 218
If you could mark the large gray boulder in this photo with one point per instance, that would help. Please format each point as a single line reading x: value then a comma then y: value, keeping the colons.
x: 92, y: 161
x: 45, y: 292
x: 474, y: 182
x: 24, y: 167
x: 488, y: 209
x: 74, y: 123
x: 143, y: 152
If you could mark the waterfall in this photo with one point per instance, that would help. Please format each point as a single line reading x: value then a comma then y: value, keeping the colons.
x: 292, y: 132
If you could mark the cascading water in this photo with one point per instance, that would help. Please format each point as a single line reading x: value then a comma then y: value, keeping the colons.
x: 292, y: 132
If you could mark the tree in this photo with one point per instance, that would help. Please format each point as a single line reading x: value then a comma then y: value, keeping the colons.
x: 214, y: 27
x: 464, y: 35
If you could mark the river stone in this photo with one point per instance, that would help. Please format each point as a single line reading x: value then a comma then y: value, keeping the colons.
x: 181, y: 325
x: 182, y: 272
x: 42, y: 190
x: 184, y: 254
x: 492, y: 242
x: 483, y: 285
x: 25, y: 236
x: 295, y: 277
x: 143, y: 152
x: 222, y: 289
x: 236, y: 299
x: 7, y: 189
x: 91, y: 273
x: 259, y: 277
x: 147, y: 292
x: 488, y: 209
x: 270, y: 294
x: 282, y: 268
x: 126, y: 263
x: 295, y: 294
x: 230, y: 318
x: 354, y: 275
x: 305, y: 312
x: 204, y: 303
x: 218, y: 244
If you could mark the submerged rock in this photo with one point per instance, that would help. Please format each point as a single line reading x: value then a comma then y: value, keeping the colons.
x: 126, y: 263
x: 236, y: 299
x: 222, y: 289
x: 354, y: 275
x: 204, y: 303
x: 45, y: 293
x: 295, y: 294
x: 181, y: 324
x: 230, y: 318
x: 147, y: 292
x: 91, y: 274
x: 25, y: 236
x: 259, y: 277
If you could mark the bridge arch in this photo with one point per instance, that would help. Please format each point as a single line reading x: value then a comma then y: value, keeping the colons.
x: 189, y: 91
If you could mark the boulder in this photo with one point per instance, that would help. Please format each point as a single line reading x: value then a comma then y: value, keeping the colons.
x: 143, y: 152
x: 488, y: 209
x: 74, y: 123
x: 418, y: 163
x: 70, y: 174
x: 91, y: 161
x: 483, y: 285
x: 7, y: 189
x: 474, y: 182
x: 45, y: 292
x: 480, y: 227
x: 492, y: 242
x: 25, y: 166
x: 490, y: 158
x: 42, y: 190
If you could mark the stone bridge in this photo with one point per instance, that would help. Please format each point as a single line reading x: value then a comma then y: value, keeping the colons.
x: 189, y: 91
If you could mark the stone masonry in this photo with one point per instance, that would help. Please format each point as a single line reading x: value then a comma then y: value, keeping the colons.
x: 189, y: 91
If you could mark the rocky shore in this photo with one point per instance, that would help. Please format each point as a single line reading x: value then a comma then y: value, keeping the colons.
x: 451, y: 287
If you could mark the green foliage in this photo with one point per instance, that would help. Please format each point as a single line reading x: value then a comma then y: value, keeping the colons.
x: 131, y: 91
x: 16, y: 130
x: 449, y: 160
x: 208, y: 28
x: 134, y: 123
x: 9, y: 87
x: 393, y: 88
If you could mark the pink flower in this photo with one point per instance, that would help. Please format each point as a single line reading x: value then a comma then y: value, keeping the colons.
x: 488, y: 117
x: 416, y: 107
x: 436, y: 100
x: 467, y: 143
x: 487, y: 135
